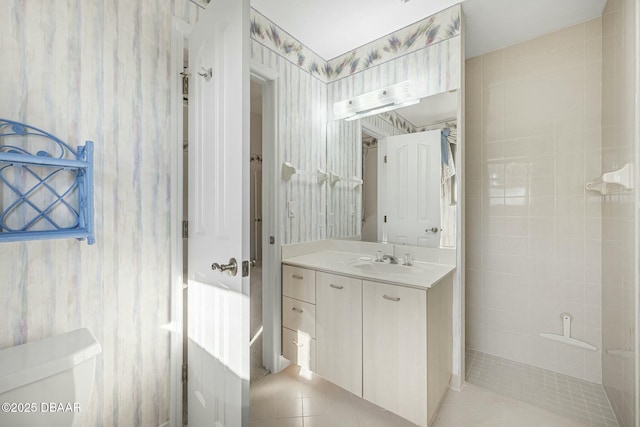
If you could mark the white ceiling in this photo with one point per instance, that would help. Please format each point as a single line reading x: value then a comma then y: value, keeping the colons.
x: 494, y: 24
x: 333, y: 27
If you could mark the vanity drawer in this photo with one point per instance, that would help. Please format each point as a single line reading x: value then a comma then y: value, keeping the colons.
x: 299, y: 348
x: 299, y: 283
x: 299, y: 316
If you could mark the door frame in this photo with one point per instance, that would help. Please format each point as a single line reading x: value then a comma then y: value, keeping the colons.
x: 180, y: 31
x: 271, y: 206
x: 380, y: 135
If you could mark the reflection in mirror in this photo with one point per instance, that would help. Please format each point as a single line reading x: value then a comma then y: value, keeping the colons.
x: 406, y: 161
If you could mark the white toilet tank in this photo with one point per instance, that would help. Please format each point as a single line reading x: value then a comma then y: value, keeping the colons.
x: 48, y: 382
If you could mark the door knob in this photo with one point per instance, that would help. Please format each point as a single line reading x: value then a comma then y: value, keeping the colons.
x: 432, y: 230
x: 232, y: 267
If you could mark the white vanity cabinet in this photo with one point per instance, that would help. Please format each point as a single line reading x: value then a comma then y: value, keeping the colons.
x: 339, y: 330
x: 386, y: 342
x: 298, y: 316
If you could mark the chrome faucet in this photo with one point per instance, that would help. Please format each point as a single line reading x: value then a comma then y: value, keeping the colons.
x: 391, y: 258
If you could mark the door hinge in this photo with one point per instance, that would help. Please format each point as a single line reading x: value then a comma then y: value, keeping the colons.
x: 246, y: 266
x: 385, y: 158
x: 185, y: 229
x: 385, y: 218
x: 185, y: 81
x: 185, y: 375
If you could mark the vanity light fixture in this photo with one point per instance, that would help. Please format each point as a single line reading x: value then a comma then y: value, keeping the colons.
x: 395, y: 96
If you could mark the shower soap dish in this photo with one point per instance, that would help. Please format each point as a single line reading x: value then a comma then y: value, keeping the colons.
x: 614, y: 181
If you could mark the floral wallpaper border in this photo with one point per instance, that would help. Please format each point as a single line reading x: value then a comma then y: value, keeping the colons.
x: 275, y: 38
x: 433, y: 29
x: 397, y: 121
x: 426, y: 32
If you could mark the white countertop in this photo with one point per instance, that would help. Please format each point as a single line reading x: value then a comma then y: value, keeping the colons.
x: 362, y: 266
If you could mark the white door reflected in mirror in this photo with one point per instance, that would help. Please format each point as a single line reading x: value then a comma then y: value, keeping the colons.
x: 410, y: 184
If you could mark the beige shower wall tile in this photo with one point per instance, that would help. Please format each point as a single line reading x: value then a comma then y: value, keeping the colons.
x: 536, y: 228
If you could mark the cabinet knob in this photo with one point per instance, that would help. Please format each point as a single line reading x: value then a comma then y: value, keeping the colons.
x: 387, y: 297
x: 297, y: 276
x: 297, y: 309
x: 336, y: 286
x: 296, y: 343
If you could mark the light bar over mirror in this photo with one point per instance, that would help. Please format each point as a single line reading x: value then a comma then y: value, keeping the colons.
x: 395, y: 96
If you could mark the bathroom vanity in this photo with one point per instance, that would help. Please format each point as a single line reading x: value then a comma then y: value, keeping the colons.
x: 381, y: 331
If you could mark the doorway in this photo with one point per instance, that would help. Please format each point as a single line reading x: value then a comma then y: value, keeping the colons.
x: 369, y: 187
x: 257, y: 369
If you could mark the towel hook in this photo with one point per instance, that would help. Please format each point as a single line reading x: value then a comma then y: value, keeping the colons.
x: 208, y: 73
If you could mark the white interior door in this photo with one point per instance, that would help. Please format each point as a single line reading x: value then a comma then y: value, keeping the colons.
x: 412, y: 189
x: 218, y: 331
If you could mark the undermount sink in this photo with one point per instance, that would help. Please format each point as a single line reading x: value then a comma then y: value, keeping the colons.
x: 385, y: 268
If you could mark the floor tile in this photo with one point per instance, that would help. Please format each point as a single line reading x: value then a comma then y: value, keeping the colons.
x: 289, y: 422
x: 314, y: 406
x: 332, y: 406
x: 262, y: 409
x: 319, y: 421
x: 289, y: 407
x: 574, y: 398
x: 343, y: 415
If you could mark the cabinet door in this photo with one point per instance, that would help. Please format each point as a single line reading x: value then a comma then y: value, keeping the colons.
x: 395, y: 349
x: 339, y: 330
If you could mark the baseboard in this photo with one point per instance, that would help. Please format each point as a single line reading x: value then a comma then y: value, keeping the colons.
x: 283, y: 363
x: 455, y: 382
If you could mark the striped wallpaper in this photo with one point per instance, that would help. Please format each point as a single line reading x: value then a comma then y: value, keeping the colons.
x: 99, y: 71
x: 301, y: 141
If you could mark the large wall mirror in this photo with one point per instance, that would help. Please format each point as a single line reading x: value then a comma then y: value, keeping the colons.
x: 394, y: 177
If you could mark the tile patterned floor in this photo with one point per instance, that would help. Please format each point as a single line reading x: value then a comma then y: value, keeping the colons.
x: 289, y: 399
x: 579, y: 400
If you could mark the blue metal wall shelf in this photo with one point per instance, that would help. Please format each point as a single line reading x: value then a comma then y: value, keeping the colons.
x: 46, y: 187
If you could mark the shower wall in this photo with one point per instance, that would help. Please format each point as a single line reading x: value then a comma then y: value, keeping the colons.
x: 533, y: 234
x: 619, y: 257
